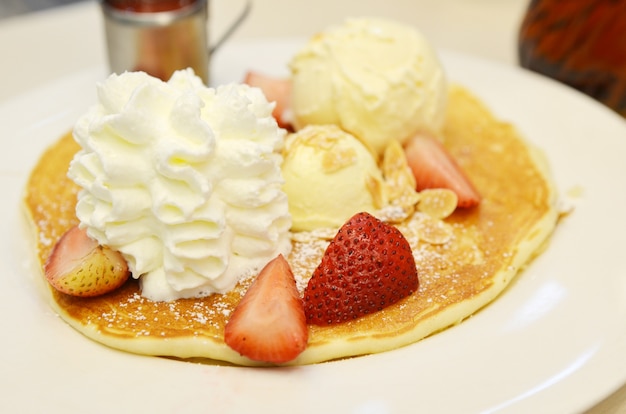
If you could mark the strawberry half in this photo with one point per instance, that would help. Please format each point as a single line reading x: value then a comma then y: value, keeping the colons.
x: 275, y: 90
x: 79, y: 266
x: 368, y: 266
x: 269, y: 324
x: 434, y: 167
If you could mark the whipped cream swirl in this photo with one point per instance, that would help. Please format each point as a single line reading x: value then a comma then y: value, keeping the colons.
x: 183, y: 180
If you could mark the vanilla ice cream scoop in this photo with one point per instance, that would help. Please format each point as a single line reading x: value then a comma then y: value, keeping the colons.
x: 377, y: 79
x: 329, y: 176
x: 183, y: 180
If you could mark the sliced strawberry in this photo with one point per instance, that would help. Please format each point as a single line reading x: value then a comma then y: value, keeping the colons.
x: 79, y: 266
x: 368, y: 266
x: 275, y: 90
x: 269, y: 324
x: 434, y: 167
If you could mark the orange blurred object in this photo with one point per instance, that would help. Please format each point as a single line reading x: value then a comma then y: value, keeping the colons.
x: 580, y: 43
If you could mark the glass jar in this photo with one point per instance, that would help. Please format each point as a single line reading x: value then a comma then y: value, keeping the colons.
x: 580, y: 43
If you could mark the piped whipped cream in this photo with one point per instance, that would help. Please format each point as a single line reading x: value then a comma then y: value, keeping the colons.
x: 184, y: 180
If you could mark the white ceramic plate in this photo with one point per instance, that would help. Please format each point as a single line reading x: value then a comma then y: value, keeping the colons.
x: 554, y: 342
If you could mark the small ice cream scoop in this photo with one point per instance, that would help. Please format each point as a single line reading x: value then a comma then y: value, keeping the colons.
x: 329, y: 176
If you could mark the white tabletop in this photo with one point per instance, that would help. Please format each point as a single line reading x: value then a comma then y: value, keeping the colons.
x: 40, y: 47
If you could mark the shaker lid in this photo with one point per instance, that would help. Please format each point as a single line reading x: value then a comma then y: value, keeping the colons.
x: 149, y: 6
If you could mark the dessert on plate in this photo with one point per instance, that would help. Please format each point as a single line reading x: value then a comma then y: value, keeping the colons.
x: 361, y: 205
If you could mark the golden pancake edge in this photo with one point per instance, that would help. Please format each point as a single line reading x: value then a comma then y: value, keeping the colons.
x: 464, y: 261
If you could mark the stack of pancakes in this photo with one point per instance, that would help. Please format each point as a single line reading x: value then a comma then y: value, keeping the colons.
x: 464, y: 261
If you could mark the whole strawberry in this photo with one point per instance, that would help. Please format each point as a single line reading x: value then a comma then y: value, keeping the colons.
x: 368, y: 266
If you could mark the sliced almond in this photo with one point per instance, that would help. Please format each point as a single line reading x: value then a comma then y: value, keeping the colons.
x: 438, y: 203
x: 399, y: 179
x: 431, y: 230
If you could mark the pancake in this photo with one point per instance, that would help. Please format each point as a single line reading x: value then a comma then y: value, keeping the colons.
x: 464, y: 261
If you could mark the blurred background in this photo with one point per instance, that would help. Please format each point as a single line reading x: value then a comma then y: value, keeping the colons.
x: 580, y: 43
x: 10, y: 8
